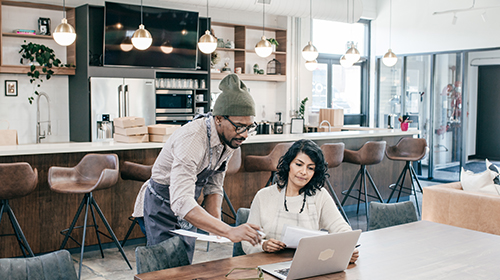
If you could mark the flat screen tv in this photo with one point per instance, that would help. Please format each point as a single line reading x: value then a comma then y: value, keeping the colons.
x: 174, y: 32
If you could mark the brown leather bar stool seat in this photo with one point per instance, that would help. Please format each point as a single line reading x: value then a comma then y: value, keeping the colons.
x: 16, y: 180
x: 372, y: 152
x: 334, y: 154
x: 135, y: 172
x: 268, y: 162
x: 94, y: 172
x: 409, y: 150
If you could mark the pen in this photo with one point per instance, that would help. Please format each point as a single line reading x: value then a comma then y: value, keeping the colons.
x: 357, y: 246
x: 261, y: 233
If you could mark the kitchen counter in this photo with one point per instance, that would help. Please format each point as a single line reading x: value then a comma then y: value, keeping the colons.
x: 75, y: 147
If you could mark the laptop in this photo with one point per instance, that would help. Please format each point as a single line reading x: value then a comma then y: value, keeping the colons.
x: 317, y: 255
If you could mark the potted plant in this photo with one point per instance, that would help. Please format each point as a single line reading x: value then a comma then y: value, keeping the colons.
x: 42, y: 55
x: 274, y: 43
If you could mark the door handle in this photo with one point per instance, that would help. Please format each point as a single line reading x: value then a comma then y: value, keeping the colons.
x: 120, y: 101
x: 126, y: 94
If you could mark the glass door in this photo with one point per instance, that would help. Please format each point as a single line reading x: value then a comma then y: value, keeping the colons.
x: 389, y: 102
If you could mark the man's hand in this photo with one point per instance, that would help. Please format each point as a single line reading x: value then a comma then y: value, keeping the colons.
x: 355, y: 256
x: 246, y: 232
x: 273, y: 245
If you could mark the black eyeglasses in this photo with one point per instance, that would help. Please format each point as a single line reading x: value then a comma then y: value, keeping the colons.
x: 240, y: 129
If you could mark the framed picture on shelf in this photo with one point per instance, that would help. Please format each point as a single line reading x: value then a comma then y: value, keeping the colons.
x: 10, y: 88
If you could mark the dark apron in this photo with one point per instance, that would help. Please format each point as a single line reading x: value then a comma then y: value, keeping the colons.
x: 159, y: 218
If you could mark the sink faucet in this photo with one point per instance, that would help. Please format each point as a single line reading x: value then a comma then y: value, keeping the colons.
x: 329, y: 125
x: 39, y: 134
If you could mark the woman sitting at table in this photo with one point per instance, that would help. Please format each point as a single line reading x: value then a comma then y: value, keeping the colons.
x: 298, y: 199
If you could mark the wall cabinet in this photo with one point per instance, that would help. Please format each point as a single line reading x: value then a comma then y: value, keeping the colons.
x: 244, y: 53
x: 42, y: 11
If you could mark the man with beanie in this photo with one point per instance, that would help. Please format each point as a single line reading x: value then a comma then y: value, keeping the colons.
x: 193, y: 160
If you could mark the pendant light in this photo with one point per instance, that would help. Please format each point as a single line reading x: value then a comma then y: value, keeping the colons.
x: 64, y: 34
x: 344, y: 62
x: 390, y: 59
x: 263, y: 47
x: 207, y: 43
x: 126, y: 45
x: 352, y: 54
x: 311, y: 65
x: 142, y: 39
x: 309, y: 52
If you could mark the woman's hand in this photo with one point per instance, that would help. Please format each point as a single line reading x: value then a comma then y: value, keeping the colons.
x: 272, y: 245
x: 355, y: 256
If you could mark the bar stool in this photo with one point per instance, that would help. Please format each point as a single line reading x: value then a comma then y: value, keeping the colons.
x: 94, y: 172
x: 372, y: 152
x: 268, y: 162
x: 334, y: 154
x: 16, y: 180
x: 408, y: 150
x: 136, y: 172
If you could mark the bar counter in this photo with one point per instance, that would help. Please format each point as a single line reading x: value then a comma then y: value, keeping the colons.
x: 44, y: 213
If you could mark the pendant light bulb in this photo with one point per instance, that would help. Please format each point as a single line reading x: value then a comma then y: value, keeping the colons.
x: 263, y: 47
x: 142, y: 39
x: 344, y: 62
x: 352, y: 54
x: 390, y: 59
x: 309, y: 52
x: 126, y: 45
x: 64, y: 34
x: 166, y: 47
x: 311, y: 65
x: 207, y: 43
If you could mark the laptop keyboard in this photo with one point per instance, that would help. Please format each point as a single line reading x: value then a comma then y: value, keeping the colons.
x: 283, y: 271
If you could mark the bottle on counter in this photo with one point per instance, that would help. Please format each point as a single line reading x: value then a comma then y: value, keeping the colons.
x: 278, y: 126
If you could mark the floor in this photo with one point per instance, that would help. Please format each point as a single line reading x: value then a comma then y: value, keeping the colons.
x: 114, y: 267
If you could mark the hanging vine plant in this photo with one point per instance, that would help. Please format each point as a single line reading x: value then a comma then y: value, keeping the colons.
x: 38, y: 54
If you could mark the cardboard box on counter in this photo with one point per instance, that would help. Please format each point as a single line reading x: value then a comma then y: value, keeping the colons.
x: 131, y: 138
x: 162, y: 129
x: 139, y: 130
x: 334, y: 116
x: 158, y: 138
x: 126, y: 122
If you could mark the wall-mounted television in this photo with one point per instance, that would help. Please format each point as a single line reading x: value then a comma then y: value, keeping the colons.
x: 174, y: 32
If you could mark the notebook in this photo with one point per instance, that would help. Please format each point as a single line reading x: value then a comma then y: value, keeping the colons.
x: 317, y: 255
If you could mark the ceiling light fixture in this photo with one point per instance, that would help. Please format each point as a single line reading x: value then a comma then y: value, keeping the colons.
x: 309, y: 52
x: 207, y: 43
x: 142, y: 39
x: 126, y: 45
x: 352, y: 53
x: 64, y: 34
x: 311, y: 65
x: 166, y: 47
x: 263, y: 48
x: 344, y: 62
x: 390, y: 59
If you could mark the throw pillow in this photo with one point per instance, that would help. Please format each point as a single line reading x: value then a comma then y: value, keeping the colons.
x: 495, y: 170
x: 475, y: 182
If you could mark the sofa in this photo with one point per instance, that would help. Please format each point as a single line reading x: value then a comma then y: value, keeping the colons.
x: 450, y: 204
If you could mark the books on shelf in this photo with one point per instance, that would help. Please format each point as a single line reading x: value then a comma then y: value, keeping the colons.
x: 25, y: 31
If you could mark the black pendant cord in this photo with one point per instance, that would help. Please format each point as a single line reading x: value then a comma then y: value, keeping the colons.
x: 303, y: 203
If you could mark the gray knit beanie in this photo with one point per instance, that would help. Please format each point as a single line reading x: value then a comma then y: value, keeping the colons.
x: 235, y: 100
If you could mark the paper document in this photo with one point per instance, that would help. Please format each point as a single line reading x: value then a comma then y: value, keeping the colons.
x: 291, y: 235
x: 201, y: 237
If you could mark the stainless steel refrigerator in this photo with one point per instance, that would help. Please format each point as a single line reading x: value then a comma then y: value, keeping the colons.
x: 119, y: 97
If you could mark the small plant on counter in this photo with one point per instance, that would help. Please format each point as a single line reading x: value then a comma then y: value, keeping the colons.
x: 302, y: 108
x: 42, y: 55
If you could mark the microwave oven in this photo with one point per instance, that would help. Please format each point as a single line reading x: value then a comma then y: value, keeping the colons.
x: 174, y: 101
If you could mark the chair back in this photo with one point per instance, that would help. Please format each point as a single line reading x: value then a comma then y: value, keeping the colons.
x: 17, y: 180
x: 135, y: 171
x: 92, y: 165
x: 268, y: 162
x: 408, y: 149
x: 372, y: 152
x: 391, y: 214
x: 166, y: 254
x: 334, y: 153
x: 241, y: 218
x: 52, y: 266
x: 234, y: 163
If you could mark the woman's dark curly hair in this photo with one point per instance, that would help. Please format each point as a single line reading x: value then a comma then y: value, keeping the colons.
x: 312, y: 150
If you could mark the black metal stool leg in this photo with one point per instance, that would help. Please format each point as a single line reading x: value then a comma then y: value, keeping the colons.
x: 346, y: 194
x: 82, y: 249
x: 402, y: 184
x: 109, y: 230
x: 72, y: 226
x: 21, y: 239
x: 366, y: 195
x: 134, y: 222
x: 416, y: 178
x: 226, y: 198
x: 97, y: 231
x: 396, y: 186
x: 337, y: 202
x: 1, y: 210
x: 360, y: 188
x: 379, y: 196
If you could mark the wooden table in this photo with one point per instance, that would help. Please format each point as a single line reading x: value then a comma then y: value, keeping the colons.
x: 420, y: 250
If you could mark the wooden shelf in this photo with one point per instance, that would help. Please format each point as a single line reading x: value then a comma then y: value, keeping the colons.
x: 230, y: 50
x: 22, y: 69
x: 252, y: 77
x: 27, y: 36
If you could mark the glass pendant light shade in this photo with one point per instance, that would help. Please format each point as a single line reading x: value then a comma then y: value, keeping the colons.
x: 390, y: 59
x: 311, y: 65
x: 352, y: 54
x: 142, y: 39
x: 126, y: 45
x: 263, y: 47
x: 207, y: 43
x: 344, y: 62
x: 64, y: 34
x: 166, y: 47
x: 309, y: 52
